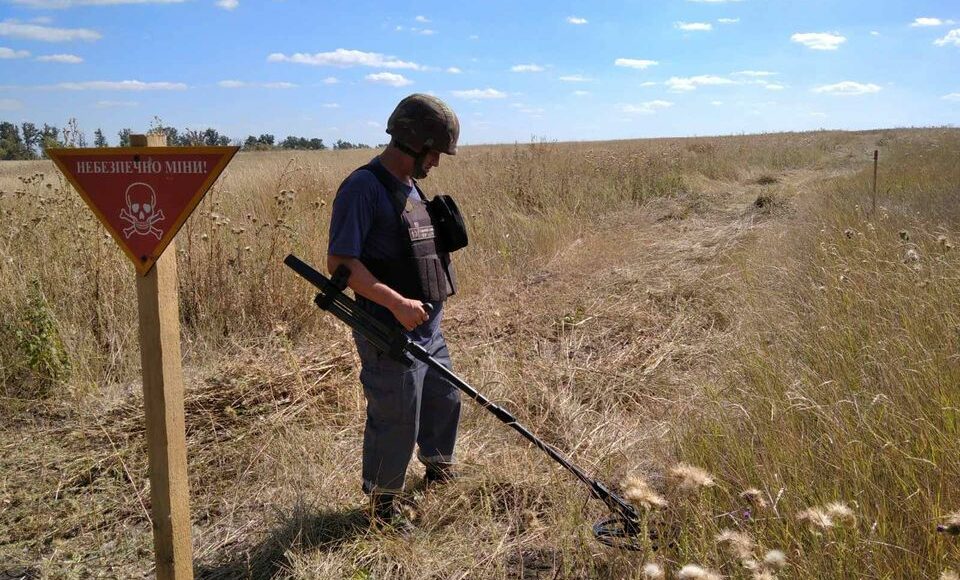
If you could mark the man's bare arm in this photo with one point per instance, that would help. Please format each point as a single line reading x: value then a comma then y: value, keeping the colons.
x: 410, y: 313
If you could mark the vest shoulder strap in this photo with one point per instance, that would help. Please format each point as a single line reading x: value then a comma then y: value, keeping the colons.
x: 389, y: 182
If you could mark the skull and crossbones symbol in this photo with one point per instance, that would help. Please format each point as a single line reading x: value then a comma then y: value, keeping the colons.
x: 141, y: 211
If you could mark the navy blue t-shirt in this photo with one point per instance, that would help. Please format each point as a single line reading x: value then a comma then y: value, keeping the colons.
x: 365, y: 225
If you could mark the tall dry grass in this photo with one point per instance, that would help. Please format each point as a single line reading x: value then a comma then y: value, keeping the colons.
x: 626, y: 300
x: 522, y: 202
x: 844, y: 385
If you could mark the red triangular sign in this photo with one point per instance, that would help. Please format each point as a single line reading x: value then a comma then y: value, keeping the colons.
x: 142, y: 195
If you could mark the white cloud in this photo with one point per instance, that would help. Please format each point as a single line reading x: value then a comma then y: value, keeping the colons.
x: 116, y: 104
x: 693, y: 26
x: 647, y: 108
x: 387, y: 78
x: 755, y: 73
x: 331, y: 105
x: 51, y: 4
x: 480, y: 94
x: 527, y: 109
x: 228, y: 4
x: 576, y: 20
x: 331, y: 81
x: 874, y: 33
x: 581, y: 93
x: 61, y: 58
x: 728, y: 20
x: 926, y: 21
x: 46, y: 33
x: 527, y: 68
x: 952, y: 37
x: 716, y: 103
x: 635, y: 63
x: 416, y: 30
x: 713, y: 1
x: 344, y: 58
x: 649, y: 84
x: 7, y: 53
x: 759, y: 78
x: 422, y: 19
x: 848, y: 88
x: 819, y: 40
x: 574, y: 79
x: 10, y: 105
x: 682, y: 84
x: 231, y: 84
x: 952, y: 97
x: 454, y: 70
x: 120, y: 86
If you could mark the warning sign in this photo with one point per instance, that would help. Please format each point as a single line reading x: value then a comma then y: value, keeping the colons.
x: 142, y: 195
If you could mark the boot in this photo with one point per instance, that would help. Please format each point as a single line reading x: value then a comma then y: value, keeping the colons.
x: 436, y: 474
x: 387, y: 515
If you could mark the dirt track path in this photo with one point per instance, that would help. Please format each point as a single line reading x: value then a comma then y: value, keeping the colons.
x: 620, y: 328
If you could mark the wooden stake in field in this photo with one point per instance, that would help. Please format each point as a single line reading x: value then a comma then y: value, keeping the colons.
x: 876, y: 157
x: 142, y: 195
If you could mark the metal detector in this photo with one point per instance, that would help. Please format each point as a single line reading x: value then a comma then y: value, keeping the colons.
x: 620, y: 530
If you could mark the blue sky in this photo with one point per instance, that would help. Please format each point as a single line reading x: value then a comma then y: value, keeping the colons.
x: 513, y: 70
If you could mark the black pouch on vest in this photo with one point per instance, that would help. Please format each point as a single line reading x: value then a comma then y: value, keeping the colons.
x: 448, y: 222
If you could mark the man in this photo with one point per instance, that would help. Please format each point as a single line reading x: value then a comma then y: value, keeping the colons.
x: 380, y: 229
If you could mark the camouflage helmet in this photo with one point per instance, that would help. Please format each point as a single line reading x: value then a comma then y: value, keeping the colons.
x: 421, y: 122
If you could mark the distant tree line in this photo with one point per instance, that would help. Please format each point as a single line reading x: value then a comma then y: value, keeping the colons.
x: 267, y: 142
x: 28, y: 141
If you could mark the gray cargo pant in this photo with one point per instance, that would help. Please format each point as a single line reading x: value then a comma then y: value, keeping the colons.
x: 405, y: 406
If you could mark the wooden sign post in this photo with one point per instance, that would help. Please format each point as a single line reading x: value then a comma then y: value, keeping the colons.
x: 158, y: 307
x: 128, y: 189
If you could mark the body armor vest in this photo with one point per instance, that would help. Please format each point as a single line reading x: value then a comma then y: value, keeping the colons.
x: 424, y: 272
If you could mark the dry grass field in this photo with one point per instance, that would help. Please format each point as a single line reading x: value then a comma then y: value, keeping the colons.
x: 722, y: 319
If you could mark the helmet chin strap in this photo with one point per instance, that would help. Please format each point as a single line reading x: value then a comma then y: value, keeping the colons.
x: 418, y: 170
x: 418, y: 158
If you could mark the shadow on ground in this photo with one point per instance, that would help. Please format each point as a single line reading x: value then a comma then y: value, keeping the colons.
x: 304, y: 529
